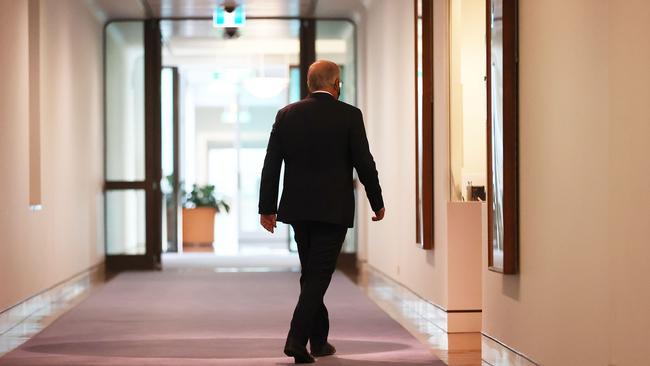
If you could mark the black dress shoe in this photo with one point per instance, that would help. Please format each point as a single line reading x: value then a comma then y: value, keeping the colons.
x: 298, y: 352
x: 326, y: 350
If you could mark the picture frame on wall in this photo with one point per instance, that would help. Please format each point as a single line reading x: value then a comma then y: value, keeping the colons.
x: 502, y: 136
x: 423, y: 29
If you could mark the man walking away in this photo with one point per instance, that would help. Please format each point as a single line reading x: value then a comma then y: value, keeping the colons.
x: 320, y: 140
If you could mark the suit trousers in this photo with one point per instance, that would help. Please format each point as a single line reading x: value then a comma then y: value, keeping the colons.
x: 319, y: 245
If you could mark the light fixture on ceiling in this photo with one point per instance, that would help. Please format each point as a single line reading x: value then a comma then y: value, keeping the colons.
x: 230, y: 16
x: 230, y: 5
x: 231, y: 33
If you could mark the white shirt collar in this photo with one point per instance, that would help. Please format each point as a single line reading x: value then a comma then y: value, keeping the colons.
x: 322, y: 91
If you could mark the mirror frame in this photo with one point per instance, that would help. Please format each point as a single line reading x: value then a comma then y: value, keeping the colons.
x: 424, y: 201
x: 510, y: 138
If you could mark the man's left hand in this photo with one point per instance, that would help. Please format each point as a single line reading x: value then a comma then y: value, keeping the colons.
x: 269, y: 222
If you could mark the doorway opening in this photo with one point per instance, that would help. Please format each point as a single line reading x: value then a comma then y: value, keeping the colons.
x: 219, y: 96
x: 191, y: 106
x: 220, y: 92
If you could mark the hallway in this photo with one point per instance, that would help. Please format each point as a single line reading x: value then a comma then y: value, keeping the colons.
x: 510, y: 139
x: 198, y: 316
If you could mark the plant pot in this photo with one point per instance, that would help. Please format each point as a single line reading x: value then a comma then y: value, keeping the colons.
x: 198, y: 228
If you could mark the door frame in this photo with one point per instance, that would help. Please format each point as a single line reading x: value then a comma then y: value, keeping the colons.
x: 151, y: 184
x: 153, y: 140
x: 176, y: 182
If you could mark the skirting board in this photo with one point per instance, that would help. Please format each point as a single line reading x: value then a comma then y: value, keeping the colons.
x: 62, y: 291
x: 450, y: 321
x: 464, y: 322
x: 495, y: 353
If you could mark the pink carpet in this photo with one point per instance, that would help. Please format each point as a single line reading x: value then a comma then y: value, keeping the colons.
x: 200, y: 317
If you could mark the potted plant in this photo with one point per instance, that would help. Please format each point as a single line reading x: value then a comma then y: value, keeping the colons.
x: 200, y: 207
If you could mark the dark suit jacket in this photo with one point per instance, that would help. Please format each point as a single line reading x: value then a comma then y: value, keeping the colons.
x: 320, y: 140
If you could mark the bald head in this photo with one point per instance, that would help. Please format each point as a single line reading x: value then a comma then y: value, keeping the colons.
x: 323, y: 75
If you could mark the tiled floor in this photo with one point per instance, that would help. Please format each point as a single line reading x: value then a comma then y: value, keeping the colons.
x: 423, y: 320
x: 25, y: 320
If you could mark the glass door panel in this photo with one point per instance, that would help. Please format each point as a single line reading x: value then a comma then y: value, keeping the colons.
x: 294, y: 96
x: 124, y: 55
x: 125, y: 222
x: 231, y: 90
x: 222, y: 173
x: 170, y: 184
x: 130, y: 190
x: 251, y: 161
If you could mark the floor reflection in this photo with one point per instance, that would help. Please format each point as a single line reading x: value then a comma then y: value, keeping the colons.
x: 421, y: 319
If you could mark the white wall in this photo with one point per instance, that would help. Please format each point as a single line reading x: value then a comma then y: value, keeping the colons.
x: 66, y: 236
x: 583, y: 294
x: 389, y: 111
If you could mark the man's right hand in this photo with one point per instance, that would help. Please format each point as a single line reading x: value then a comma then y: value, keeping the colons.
x: 269, y: 222
x: 379, y: 214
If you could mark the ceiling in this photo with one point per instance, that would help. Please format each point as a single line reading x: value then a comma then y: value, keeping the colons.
x: 202, y: 8
x: 198, y: 43
x: 120, y: 9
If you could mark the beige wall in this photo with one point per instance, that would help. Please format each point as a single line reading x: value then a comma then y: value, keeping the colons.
x: 561, y: 294
x: 629, y: 184
x: 583, y: 292
x: 39, y: 249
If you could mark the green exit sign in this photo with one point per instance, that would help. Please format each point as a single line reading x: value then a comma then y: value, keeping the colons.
x: 234, y: 19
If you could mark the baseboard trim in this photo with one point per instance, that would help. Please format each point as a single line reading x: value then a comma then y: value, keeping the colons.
x: 465, y: 311
x: 448, y: 320
x: 495, y: 353
x: 66, y: 289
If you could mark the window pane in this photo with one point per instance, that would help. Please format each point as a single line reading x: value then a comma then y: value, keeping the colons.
x: 125, y: 101
x: 125, y: 222
x: 294, y: 84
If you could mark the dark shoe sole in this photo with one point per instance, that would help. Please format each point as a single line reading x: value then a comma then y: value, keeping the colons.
x: 324, y: 353
x: 299, y: 358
